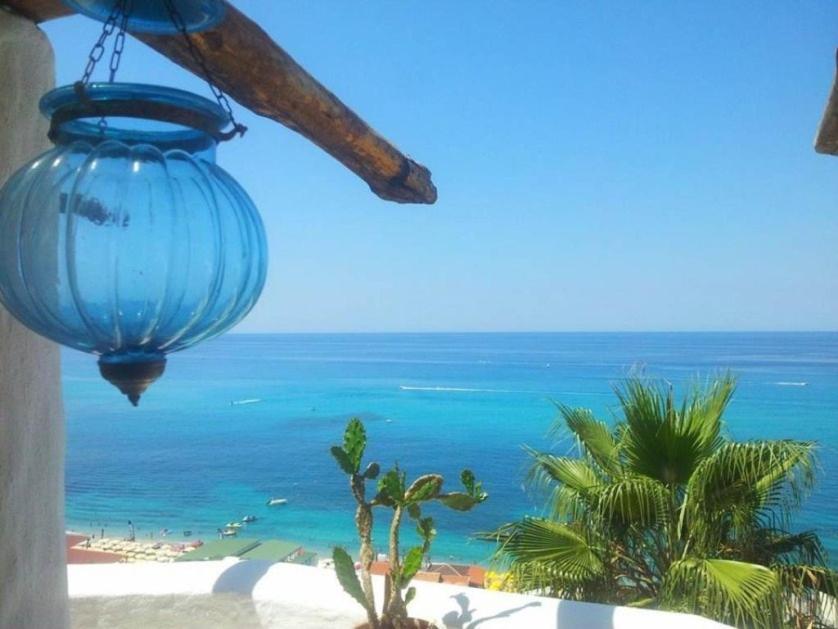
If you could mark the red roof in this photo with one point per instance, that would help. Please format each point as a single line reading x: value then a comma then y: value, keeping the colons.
x: 74, y: 538
x: 83, y: 555
x: 458, y: 574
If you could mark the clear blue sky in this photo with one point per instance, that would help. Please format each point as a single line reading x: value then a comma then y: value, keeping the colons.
x: 601, y: 166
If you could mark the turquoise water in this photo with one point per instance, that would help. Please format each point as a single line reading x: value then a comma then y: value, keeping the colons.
x: 188, y: 458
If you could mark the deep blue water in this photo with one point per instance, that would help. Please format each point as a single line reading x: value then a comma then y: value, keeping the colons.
x: 189, y: 459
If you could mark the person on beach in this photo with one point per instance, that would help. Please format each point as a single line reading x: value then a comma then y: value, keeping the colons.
x: 131, y: 535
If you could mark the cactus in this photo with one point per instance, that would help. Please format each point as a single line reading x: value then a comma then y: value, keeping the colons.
x: 393, y: 493
x: 349, y: 457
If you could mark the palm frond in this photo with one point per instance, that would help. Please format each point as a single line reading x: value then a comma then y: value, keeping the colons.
x: 594, y: 438
x: 633, y: 500
x: 665, y: 441
x: 809, y: 594
x: 751, y: 476
x: 538, y: 541
x: 577, y: 474
x: 731, y: 591
x: 770, y: 545
x: 661, y: 510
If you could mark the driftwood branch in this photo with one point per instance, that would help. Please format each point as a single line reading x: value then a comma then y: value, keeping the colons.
x: 250, y: 67
x: 38, y: 10
x: 827, y: 140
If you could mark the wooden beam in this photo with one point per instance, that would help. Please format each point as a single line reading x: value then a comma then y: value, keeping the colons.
x: 256, y: 72
x: 827, y: 140
x: 38, y: 10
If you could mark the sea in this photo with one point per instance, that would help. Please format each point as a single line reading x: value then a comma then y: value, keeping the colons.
x: 245, y: 418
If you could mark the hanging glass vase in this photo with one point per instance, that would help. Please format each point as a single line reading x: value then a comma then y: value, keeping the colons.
x: 126, y: 240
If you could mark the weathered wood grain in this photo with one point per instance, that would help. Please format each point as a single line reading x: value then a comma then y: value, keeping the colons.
x: 38, y: 10
x: 827, y: 138
x: 256, y: 72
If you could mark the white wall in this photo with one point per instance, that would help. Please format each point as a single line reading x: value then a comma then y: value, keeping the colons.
x: 185, y: 594
x: 32, y: 575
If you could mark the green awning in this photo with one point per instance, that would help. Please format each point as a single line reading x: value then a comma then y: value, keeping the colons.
x: 305, y: 558
x: 220, y: 548
x: 272, y: 550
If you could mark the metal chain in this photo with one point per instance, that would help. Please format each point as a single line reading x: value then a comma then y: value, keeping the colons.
x: 99, y: 47
x: 121, y: 12
x: 220, y: 97
x: 120, y: 8
x: 125, y: 7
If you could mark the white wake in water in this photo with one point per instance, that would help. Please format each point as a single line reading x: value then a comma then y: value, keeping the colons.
x: 453, y: 389
x: 792, y: 384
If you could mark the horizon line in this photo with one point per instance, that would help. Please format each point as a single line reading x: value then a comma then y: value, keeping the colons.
x: 719, y: 331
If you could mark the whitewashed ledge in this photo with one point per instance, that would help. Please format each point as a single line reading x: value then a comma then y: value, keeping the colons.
x: 255, y: 594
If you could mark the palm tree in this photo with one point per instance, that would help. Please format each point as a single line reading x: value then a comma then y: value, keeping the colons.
x: 664, y: 511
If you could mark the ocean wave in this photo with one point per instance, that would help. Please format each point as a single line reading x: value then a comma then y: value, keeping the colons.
x: 453, y: 389
x: 254, y: 400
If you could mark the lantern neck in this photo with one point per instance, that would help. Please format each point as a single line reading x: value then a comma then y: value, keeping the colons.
x: 132, y: 373
x: 134, y: 113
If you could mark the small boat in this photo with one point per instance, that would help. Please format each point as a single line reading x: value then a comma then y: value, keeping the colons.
x: 249, y: 518
x: 234, y: 525
x: 275, y: 502
x: 229, y: 532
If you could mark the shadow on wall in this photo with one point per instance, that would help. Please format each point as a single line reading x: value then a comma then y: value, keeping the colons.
x: 464, y: 619
x: 588, y: 615
x: 206, y: 611
x: 241, y: 577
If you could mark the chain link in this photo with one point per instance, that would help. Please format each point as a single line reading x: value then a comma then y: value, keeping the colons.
x: 120, y: 13
x: 98, y: 49
x: 119, y: 43
x: 220, y: 97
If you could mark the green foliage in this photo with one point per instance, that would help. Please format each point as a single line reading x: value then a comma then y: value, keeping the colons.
x: 661, y: 510
x: 569, y: 551
x: 393, y: 492
x: 372, y: 471
x: 593, y: 437
x: 411, y: 564
x: 742, y: 593
x: 426, y: 531
x: 423, y: 488
x: 465, y: 501
x: 458, y: 501
x: 348, y: 578
x: 473, y: 488
x: 391, y: 486
x: 354, y: 443
x: 343, y: 459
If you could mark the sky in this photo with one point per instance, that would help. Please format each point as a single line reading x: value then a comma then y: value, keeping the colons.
x: 607, y: 166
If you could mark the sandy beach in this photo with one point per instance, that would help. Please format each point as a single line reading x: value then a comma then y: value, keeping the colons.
x: 130, y: 551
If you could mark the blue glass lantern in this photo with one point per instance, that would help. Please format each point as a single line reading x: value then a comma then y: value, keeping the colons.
x: 154, y: 16
x: 126, y: 240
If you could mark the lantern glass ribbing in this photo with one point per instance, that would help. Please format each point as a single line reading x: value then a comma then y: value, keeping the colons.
x: 128, y: 241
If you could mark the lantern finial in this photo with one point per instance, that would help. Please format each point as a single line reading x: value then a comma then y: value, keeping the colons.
x: 132, y: 378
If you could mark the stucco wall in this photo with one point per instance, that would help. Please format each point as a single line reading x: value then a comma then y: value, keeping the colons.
x: 33, y: 587
x: 259, y: 595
